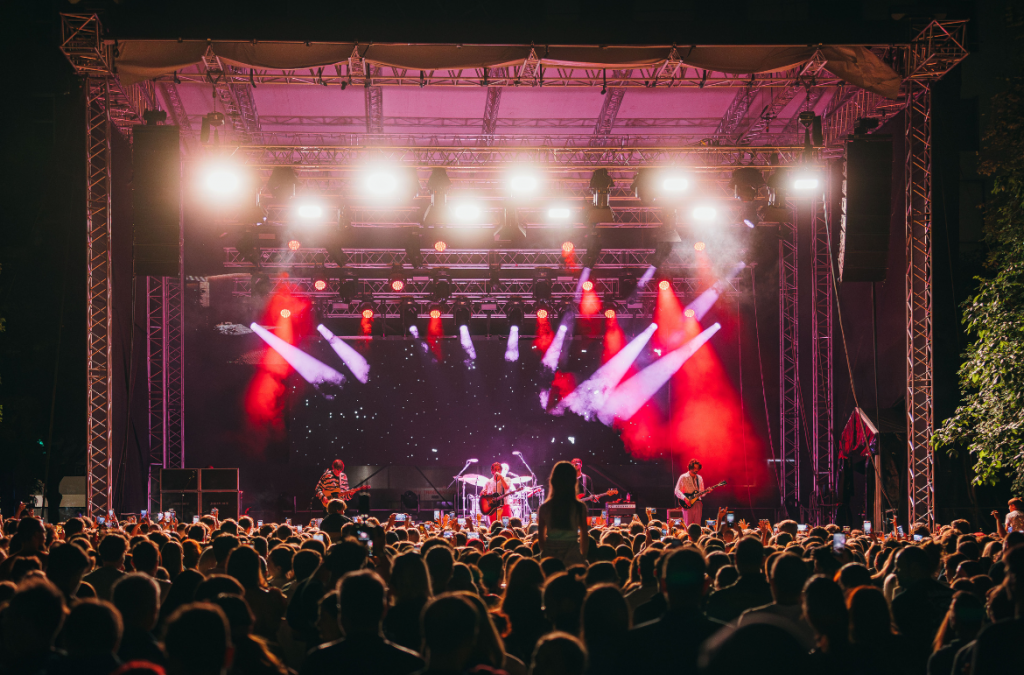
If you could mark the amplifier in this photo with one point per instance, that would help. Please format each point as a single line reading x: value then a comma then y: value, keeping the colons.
x: 218, y: 479
x: 225, y: 502
x: 674, y: 514
x: 173, y: 480
x: 624, y: 510
x: 185, y: 504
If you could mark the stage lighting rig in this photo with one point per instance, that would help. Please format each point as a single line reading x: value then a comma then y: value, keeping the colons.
x: 627, y: 286
x: 441, y: 286
x: 211, y: 121
x: 523, y: 184
x: 348, y: 287
x: 704, y: 213
x: 436, y: 310
x: 601, y: 185
x: 611, y: 309
x: 397, y: 280
x: 593, y: 254
x: 559, y: 214
x: 259, y: 285
x: 282, y: 182
x: 462, y: 310
x: 366, y: 309
x: 541, y: 287
x: 409, y: 312
x: 515, y: 312
x: 413, y: 256
x: 320, y: 280
x: 778, y: 187
x: 438, y: 212
x: 745, y: 183
x: 222, y: 180
x: 512, y: 231
x: 542, y: 310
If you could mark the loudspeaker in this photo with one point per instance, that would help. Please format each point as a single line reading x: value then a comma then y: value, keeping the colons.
x: 185, y: 504
x: 156, y: 200
x: 866, y: 209
x: 226, y: 503
x: 172, y: 480
x: 218, y: 479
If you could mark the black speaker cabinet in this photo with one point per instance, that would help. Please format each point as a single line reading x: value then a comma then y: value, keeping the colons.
x: 218, y: 479
x: 172, y: 480
x: 185, y: 504
x: 866, y: 209
x: 156, y: 200
x: 226, y: 503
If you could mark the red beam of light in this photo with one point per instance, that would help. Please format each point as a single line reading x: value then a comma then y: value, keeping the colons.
x: 435, y: 331
x: 668, y: 314
x: 544, y: 335
x: 591, y: 304
x: 264, y: 396
x: 707, y: 419
x: 367, y: 325
x: 570, y: 258
x: 562, y: 385
x: 614, y: 339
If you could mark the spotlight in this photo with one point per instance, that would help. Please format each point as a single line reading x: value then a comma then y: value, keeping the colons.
x: 699, y: 246
x: 222, y: 181
x: 568, y: 247
x: 409, y: 311
x: 588, y: 285
x: 397, y: 279
x: 438, y: 182
x: 413, y: 255
x: 609, y: 313
x: 282, y: 182
x: 559, y: 213
x: 348, y: 288
x: 627, y: 286
x: 541, y: 288
x: 689, y: 313
x: 441, y: 288
x: 779, y: 184
x: 665, y: 285
x: 440, y: 246
x: 600, y: 185
x: 381, y: 183
x: 515, y: 311
x: 522, y: 183
x: 704, y: 213
x: 309, y: 211
x: 285, y: 313
x: 542, y: 311
x: 674, y: 183
x: 805, y: 182
x: 320, y: 283
x: 745, y: 183
x: 462, y: 311
x: 466, y: 212
x: 294, y: 244
x: 259, y: 284
x: 435, y: 311
x: 366, y: 309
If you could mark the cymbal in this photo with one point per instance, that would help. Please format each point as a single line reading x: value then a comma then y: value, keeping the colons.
x: 520, y: 480
x: 474, y: 479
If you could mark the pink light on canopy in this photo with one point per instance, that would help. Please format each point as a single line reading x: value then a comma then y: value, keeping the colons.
x: 631, y: 395
x: 313, y: 371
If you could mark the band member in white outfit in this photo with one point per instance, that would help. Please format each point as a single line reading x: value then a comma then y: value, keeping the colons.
x: 691, y: 482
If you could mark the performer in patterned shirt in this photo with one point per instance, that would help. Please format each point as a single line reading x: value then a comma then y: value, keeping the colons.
x: 332, y: 483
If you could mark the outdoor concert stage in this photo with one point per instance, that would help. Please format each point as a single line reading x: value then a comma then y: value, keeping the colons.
x: 409, y: 256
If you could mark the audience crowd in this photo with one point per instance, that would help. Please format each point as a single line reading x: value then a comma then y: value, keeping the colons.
x: 362, y: 596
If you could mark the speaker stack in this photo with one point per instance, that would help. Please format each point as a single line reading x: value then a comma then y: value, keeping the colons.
x: 156, y: 200
x: 192, y: 492
x: 867, y: 209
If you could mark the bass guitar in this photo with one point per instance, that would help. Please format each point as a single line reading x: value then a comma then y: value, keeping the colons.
x: 691, y: 498
x: 594, y: 498
x: 344, y: 496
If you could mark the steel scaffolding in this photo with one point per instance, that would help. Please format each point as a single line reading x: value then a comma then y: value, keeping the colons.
x: 789, y: 363
x: 164, y: 378
x: 823, y: 461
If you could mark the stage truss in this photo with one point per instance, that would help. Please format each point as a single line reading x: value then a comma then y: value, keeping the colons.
x: 327, y: 161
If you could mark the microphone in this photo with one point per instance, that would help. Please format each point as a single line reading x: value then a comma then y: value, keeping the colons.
x: 472, y: 461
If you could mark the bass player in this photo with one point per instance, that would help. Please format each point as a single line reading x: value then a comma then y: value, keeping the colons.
x: 498, y: 487
x: 689, y: 483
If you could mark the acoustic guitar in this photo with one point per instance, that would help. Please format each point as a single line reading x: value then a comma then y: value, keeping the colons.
x: 690, y: 498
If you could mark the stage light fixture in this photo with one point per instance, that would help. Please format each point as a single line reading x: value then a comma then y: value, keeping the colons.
x: 259, y: 284
x: 285, y: 313
x: 409, y: 311
x: 348, y: 287
x: 541, y: 288
x: 413, y: 254
x: 559, y: 213
x: 438, y: 182
x: 805, y: 182
x: 466, y: 212
x: 699, y: 246
x: 282, y: 182
x: 523, y: 183
x: 779, y: 184
x: 704, y: 214
x: 222, y: 180
x: 320, y: 280
x: 436, y: 311
x: 674, y: 184
x: 601, y: 184
x: 210, y: 121
x: 609, y: 313
x: 397, y: 279
x: 542, y: 310
x: 441, y: 286
x: 309, y: 211
x: 568, y: 247
x: 627, y: 286
x: 588, y: 285
x: 745, y: 183
x: 294, y: 244
x: 665, y: 285
x: 689, y: 313
x: 462, y: 311
x: 440, y: 246
x: 515, y: 311
x: 381, y: 183
x: 366, y: 309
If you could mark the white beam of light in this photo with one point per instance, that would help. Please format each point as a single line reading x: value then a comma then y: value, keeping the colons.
x: 550, y: 359
x: 313, y: 371
x: 414, y: 331
x: 631, y: 395
x: 706, y: 300
x: 467, y: 342
x: 648, y: 275
x: 590, y: 397
x: 512, y: 350
x: 584, y: 275
x: 351, y: 358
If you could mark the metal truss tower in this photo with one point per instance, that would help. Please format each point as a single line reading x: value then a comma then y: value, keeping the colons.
x: 165, y: 381
x: 789, y: 364
x: 823, y: 467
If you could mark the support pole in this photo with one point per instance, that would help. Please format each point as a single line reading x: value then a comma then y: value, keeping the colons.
x: 822, y: 423
x: 789, y: 364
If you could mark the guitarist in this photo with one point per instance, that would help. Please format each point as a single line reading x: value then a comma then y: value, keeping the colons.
x: 691, y: 481
x: 584, y: 485
x: 332, y: 483
x: 497, y: 485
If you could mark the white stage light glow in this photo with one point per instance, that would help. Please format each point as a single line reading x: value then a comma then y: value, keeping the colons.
x: 703, y: 303
x: 310, y: 211
x: 467, y: 341
x: 222, y: 181
x: 550, y: 359
x: 805, y: 183
x: 414, y: 331
x: 466, y: 212
x: 705, y: 213
x: 559, y: 213
x: 523, y: 183
x: 381, y: 183
x: 313, y: 371
x: 630, y: 396
x: 584, y: 275
x: 675, y: 184
x: 350, y: 357
x: 512, y: 350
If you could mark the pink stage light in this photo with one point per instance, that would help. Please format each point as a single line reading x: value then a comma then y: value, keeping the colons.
x: 664, y: 285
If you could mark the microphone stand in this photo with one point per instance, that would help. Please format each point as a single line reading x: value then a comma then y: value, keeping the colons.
x: 532, y: 474
x: 463, y: 484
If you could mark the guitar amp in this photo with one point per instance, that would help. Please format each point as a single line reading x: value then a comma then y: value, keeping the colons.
x: 627, y: 511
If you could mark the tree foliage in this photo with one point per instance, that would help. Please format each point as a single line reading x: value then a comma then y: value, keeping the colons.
x: 989, y: 423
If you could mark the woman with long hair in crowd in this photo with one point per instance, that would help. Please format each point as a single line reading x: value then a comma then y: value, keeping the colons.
x: 562, y: 520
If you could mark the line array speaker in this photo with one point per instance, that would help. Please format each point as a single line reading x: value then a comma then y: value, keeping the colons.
x: 156, y: 200
x: 866, y: 209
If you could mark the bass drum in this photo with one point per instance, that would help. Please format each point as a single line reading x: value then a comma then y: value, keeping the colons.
x: 535, y: 500
x: 472, y: 506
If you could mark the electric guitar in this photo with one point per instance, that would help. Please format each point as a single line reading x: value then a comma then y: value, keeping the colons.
x: 691, y: 498
x: 344, y: 496
x: 594, y: 498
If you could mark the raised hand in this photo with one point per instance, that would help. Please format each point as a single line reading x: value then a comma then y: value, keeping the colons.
x: 743, y: 524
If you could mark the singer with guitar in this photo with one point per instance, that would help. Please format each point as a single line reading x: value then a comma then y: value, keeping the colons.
x: 334, y: 485
x: 495, y: 491
x: 689, y: 490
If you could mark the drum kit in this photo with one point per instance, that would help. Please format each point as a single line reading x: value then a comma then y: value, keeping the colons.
x: 525, y: 499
